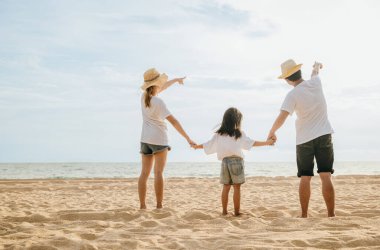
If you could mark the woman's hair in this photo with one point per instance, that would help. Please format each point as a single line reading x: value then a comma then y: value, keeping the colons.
x: 148, y: 96
x: 231, y: 123
x: 295, y: 77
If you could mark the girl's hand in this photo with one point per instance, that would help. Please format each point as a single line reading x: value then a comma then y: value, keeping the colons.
x: 271, y: 141
x: 180, y: 80
x: 317, y: 65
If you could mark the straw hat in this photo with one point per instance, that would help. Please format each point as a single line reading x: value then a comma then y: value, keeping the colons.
x: 153, y: 78
x: 288, y: 68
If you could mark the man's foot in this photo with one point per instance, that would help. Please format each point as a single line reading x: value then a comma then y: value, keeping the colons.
x: 224, y: 212
x: 159, y: 205
x: 142, y: 206
x: 331, y: 215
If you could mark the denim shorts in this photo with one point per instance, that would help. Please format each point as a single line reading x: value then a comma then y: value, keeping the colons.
x: 322, y: 150
x: 232, y: 171
x: 151, y: 149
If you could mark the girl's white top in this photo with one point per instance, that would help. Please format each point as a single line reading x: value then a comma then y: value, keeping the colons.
x: 154, y: 130
x: 225, y: 146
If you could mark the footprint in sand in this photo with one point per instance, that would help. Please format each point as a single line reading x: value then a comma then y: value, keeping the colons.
x: 149, y: 223
x: 197, y: 216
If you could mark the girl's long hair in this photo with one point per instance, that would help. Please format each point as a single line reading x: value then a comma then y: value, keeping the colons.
x: 148, y: 96
x: 231, y: 123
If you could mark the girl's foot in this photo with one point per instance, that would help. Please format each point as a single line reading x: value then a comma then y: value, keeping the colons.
x: 224, y: 212
x: 159, y: 205
x: 237, y: 213
x: 143, y: 206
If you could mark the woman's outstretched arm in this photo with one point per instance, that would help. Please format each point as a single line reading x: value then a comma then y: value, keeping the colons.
x: 180, y: 130
x: 171, y: 82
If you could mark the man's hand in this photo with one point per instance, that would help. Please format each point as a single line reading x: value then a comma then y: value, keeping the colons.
x: 191, y: 143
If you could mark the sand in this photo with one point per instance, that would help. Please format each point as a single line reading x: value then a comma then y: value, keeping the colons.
x: 104, y: 214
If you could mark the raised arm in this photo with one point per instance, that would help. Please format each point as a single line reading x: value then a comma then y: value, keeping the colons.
x: 316, y: 67
x: 180, y: 130
x: 281, y: 118
x: 171, y: 82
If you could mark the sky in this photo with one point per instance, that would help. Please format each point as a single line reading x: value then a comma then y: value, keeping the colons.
x: 70, y: 73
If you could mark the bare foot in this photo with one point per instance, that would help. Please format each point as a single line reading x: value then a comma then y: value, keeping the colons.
x: 142, y: 206
x: 331, y: 215
x: 238, y: 214
x: 224, y: 213
x: 159, y: 205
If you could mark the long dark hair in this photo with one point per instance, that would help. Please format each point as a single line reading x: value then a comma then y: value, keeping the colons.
x: 148, y: 96
x: 231, y: 123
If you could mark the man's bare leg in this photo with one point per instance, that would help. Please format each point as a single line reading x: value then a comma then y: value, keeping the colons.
x: 304, y: 194
x: 328, y: 192
x: 225, y: 192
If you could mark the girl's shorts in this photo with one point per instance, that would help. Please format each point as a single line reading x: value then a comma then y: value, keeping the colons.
x: 151, y: 149
x: 232, y: 171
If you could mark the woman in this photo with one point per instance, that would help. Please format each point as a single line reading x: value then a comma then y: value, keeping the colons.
x: 154, y: 139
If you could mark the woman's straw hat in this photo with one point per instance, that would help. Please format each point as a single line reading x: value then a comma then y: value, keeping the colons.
x: 288, y: 68
x: 153, y: 78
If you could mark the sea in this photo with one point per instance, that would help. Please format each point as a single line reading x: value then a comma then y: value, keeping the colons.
x: 172, y: 169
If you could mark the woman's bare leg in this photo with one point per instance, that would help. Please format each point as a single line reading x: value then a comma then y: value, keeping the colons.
x: 237, y: 199
x: 159, y: 166
x: 147, y: 163
x: 225, y: 192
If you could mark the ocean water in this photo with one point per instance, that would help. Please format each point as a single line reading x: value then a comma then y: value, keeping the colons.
x: 173, y: 169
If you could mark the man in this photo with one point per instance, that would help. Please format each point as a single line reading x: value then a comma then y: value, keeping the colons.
x: 313, y: 132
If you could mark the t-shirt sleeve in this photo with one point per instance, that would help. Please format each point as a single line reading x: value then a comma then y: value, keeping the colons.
x: 289, y: 104
x: 316, y: 80
x: 246, y: 142
x: 163, y: 110
x: 211, y: 146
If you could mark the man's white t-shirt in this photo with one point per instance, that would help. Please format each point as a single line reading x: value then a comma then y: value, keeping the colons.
x: 225, y: 146
x: 154, y: 130
x: 308, y: 101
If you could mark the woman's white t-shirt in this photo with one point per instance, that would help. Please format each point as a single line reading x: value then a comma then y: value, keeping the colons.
x: 154, y: 130
x: 225, y: 146
x: 308, y: 101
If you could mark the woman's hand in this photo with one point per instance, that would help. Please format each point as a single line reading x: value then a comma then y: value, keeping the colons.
x: 191, y: 143
x: 180, y: 80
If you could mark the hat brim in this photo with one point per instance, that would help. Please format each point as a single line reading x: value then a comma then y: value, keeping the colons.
x: 290, y: 71
x: 163, y: 78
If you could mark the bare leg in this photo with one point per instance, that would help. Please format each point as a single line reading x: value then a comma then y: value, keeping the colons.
x: 304, y: 193
x: 237, y: 199
x: 159, y: 165
x: 226, y: 190
x: 328, y: 193
x: 147, y: 163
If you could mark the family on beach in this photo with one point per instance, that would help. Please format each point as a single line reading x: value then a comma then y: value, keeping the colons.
x: 313, y: 138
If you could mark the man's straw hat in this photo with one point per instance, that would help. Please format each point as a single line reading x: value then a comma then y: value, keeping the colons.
x: 153, y: 78
x: 288, y: 68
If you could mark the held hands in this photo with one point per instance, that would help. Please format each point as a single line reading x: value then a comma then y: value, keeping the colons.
x: 191, y: 143
x: 272, y: 138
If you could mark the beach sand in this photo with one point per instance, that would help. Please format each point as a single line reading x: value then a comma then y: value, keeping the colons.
x: 104, y: 214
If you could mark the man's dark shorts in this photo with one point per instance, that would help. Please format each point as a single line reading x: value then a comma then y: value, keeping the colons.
x: 322, y: 149
x: 150, y: 149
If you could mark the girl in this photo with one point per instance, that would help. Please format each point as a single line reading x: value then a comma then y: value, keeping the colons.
x: 228, y: 142
x: 154, y: 139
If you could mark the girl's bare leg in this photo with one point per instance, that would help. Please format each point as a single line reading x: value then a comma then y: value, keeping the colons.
x: 226, y: 190
x: 159, y: 166
x: 147, y: 163
x: 237, y: 199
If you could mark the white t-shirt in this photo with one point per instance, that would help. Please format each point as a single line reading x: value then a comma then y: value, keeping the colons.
x: 308, y: 101
x: 154, y: 130
x: 225, y: 146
